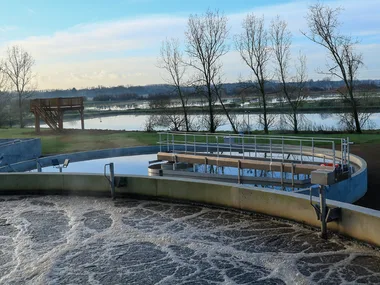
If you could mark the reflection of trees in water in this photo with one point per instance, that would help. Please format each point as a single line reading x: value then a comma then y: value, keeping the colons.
x: 347, y: 121
x: 336, y: 122
x: 286, y: 122
x: 325, y: 116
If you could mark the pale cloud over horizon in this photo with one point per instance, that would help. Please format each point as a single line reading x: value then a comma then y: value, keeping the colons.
x: 125, y: 51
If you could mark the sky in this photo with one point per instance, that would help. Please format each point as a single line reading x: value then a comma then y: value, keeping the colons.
x: 86, y: 43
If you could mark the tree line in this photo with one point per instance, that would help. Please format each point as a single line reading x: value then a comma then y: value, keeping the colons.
x: 260, y: 47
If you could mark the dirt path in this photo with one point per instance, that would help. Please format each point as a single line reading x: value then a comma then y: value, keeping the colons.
x: 371, y: 154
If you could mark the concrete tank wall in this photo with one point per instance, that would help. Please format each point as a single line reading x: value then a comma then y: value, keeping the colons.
x: 81, y: 156
x: 349, y: 190
x: 13, y: 151
x: 357, y: 222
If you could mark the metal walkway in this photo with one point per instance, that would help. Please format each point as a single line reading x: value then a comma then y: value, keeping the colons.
x: 282, y: 154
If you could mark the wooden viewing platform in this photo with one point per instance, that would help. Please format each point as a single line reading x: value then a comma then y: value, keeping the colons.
x: 51, y: 111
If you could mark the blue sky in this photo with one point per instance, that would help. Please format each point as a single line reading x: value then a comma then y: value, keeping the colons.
x: 86, y: 43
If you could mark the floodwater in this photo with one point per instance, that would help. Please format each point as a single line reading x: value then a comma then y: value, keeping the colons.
x: 312, y: 122
x: 85, y: 240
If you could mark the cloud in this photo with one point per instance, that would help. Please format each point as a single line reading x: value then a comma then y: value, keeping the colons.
x: 104, y: 37
x: 125, y: 51
x: 106, y: 72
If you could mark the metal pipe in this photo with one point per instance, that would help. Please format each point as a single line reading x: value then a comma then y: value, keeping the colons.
x: 159, y: 139
x: 270, y: 149
x: 333, y: 145
x: 217, y: 146
x: 293, y: 174
x: 230, y: 145
x: 242, y: 140
x: 185, y: 143
x: 195, y: 147
x: 322, y: 201
x: 282, y: 144
x: 39, y: 168
x: 172, y: 142
x: 348, y: 151
x: 207, y: 143
x: 112, y: 178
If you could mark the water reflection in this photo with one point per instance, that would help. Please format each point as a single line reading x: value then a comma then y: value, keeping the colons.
x: 312, y: 122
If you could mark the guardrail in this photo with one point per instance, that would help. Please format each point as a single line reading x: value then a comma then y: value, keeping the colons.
x: 273, y: 147
x: 56, y: 102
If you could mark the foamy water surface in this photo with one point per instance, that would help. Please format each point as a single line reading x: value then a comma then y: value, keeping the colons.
x: 84, y: 240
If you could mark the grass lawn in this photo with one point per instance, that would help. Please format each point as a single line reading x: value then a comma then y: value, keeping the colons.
x: 78, y: 140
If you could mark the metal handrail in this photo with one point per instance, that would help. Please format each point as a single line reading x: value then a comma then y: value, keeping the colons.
x: 250, y: 135
x: 248, y: 143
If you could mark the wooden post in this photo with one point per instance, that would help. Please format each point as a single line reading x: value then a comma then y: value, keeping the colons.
x: 82, y: 117
x: 60, y: 120
x: 37, y: 122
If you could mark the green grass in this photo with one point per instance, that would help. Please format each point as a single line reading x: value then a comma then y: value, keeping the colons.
x: 78, y: 140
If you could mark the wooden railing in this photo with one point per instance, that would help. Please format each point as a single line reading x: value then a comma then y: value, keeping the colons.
x: 57, y: 102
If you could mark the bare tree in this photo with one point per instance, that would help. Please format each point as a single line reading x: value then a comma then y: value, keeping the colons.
x: 293, y: 87
x: 252, y: 45
x: 169, y: 118
x: 345, y: 62
x: 18, y: 66
x: 4, y: 96
x: 206, y: 44
x: 171, y: 60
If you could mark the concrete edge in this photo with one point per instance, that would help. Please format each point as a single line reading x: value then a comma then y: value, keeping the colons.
x: 356, y: 222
